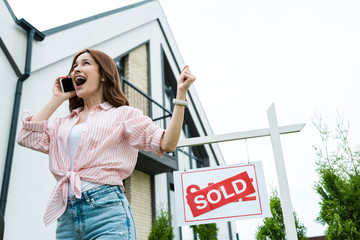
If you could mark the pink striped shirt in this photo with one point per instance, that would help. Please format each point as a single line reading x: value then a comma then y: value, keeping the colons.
x: 107, y: 151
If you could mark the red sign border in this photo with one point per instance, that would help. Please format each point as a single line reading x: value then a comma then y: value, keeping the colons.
x: 214, y: 218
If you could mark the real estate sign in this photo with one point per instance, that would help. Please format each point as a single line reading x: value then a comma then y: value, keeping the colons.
x: 223, y: 193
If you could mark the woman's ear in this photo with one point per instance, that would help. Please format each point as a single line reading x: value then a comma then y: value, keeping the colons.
x: 102, y: 77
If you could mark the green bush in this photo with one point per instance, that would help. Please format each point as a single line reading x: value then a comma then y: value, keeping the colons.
x: 206, y: 231
x: 162, y: 229
x: 273, y: 227
x: 338, y: 166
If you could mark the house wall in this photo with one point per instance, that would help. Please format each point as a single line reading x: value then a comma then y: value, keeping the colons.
x: 138, y: 185
x: 31, y: 182
x: 136, y: 71
x: 8, y: 79
x: 138, y: 192
x: 7, y: 91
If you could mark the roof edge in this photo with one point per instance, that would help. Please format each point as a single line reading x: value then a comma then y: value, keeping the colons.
x: 92, y: 18
x: 10, y: 10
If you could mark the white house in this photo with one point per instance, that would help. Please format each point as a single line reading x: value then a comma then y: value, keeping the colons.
x: 140, y: 41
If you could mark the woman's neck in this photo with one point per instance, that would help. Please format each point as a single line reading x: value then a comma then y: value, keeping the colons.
x: 90, y: 103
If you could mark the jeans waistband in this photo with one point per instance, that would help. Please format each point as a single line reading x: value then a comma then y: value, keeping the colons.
x: 87, y: 195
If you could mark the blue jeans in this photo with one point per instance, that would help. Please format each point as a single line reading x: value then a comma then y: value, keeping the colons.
x: 102, y: 213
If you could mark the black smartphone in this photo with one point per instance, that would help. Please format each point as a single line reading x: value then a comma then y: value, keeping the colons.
x: 66, y: 84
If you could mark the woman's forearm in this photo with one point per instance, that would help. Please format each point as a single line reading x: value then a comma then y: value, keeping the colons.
x: 172, y: 133
x: 48, y: 110
x: 56, y: 100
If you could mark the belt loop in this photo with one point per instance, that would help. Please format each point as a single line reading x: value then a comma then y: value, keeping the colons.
x: 86, y: 197
x: 121, y: 191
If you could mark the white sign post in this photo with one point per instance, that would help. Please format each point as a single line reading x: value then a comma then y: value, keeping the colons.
x: 274, y: 132
x: 281, y: 174
x: 221, y: 194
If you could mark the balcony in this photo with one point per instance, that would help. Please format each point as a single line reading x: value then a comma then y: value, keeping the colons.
x: 147, y: 162
x: 149, y: 106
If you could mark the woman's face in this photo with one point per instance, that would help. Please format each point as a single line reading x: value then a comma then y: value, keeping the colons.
x: 86, y: 77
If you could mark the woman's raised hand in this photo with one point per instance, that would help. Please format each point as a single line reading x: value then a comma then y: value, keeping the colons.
x: 185, y: 80
x: 57, y: 92
x: 56, y: 100
x: 171, y: 136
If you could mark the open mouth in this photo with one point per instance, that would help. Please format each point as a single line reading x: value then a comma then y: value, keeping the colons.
x: 80, y: 81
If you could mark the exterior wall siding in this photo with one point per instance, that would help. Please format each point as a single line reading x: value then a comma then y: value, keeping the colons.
x: 138, y: 186
x: 138, y: 192
x: 136, y: 71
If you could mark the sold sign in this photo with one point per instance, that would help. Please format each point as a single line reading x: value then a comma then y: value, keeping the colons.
x: 218, y: 194
x: 223, y: 193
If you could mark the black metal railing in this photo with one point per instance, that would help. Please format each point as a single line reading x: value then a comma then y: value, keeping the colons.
x: 143, y: 101
x: 153, y: 109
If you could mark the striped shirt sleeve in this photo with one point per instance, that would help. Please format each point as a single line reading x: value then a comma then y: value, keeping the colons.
x: 34, y: 135
x: 143, y: 133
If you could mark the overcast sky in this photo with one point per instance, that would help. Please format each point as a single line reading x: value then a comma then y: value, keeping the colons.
x: 301, y: 55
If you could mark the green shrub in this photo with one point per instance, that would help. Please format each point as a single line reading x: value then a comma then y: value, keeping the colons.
x: 162, y: 229
x: 206, y: 231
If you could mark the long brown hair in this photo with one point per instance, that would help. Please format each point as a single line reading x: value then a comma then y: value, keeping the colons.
x: 108, y: 70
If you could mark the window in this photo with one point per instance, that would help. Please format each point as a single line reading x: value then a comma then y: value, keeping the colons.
x: 194, y: 157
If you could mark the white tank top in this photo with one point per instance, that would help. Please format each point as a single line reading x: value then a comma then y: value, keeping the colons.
x: 73, y: 143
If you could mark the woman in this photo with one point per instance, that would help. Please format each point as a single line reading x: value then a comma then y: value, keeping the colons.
x: 94, y: 148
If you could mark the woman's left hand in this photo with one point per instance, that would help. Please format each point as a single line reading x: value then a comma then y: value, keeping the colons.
x: 185, y: 80
x: 171, y: 136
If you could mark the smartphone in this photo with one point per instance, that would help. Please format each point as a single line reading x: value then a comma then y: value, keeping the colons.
x: 66, y: 84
